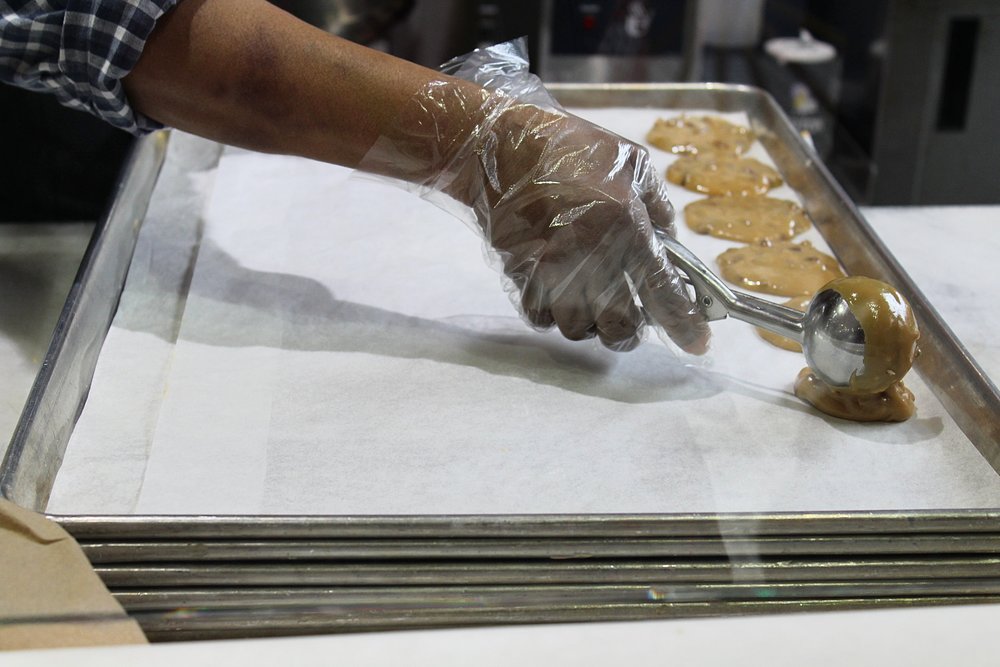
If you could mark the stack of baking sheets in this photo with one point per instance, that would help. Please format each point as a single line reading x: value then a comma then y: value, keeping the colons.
x: 315, y: 410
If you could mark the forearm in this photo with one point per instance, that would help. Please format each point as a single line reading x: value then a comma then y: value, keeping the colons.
x: 246, y: 73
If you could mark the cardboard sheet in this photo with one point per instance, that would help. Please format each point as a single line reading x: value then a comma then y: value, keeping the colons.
x: 344, y: 349
x: 49, y: 594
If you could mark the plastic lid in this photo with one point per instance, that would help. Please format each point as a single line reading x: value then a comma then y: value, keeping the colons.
x: 802, y: 49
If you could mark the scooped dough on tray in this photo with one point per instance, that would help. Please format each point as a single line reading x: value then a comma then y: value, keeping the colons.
x: 876, y: 391
x: 700, y: 134
x: 718, y: 175
x: 747, y: 219
x: 785, y: 268
x: 895, y: 404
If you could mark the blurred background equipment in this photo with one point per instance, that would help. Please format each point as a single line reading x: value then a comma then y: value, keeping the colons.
x: 614, y: 41
x: 898, y: 96
x: 936, y: 135
x: 362, y: 21
x: 56, y: 163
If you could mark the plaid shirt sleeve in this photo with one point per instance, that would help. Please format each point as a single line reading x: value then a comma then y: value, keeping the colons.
x: 80, y: 50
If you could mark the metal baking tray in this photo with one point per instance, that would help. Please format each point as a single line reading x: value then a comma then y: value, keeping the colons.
x: 366, y: 617
x: 144, y: 553
x: 262, y: 576
x: 390, y: 549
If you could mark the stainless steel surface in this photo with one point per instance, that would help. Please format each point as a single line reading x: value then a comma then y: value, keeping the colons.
x: 189, y: 553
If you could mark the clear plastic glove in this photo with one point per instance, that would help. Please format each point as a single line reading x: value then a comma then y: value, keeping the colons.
x: 567, y: 207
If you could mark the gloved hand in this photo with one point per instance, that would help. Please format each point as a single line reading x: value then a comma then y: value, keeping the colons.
x: 568, y: 207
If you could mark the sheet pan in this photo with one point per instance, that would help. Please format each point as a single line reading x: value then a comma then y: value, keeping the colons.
x: 300, y: 551
x: 244, y: 411
x: 970, y: 398
x: 223, y: 624
x: 257, y: 578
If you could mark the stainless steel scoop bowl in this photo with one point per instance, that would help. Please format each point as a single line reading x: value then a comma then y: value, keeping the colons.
x: 832, y: 339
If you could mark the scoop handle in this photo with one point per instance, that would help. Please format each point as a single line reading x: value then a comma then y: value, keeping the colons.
x: 717, y: 300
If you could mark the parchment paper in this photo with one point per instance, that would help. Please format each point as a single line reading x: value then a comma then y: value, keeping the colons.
x: 344, y: 349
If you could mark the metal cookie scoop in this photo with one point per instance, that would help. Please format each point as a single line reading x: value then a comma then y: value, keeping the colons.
x: 832, y: 339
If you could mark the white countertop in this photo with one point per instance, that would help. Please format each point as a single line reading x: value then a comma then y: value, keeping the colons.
x: 946, y: 250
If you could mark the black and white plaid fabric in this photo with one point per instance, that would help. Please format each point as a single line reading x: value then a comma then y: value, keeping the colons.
x: 79, y: 50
